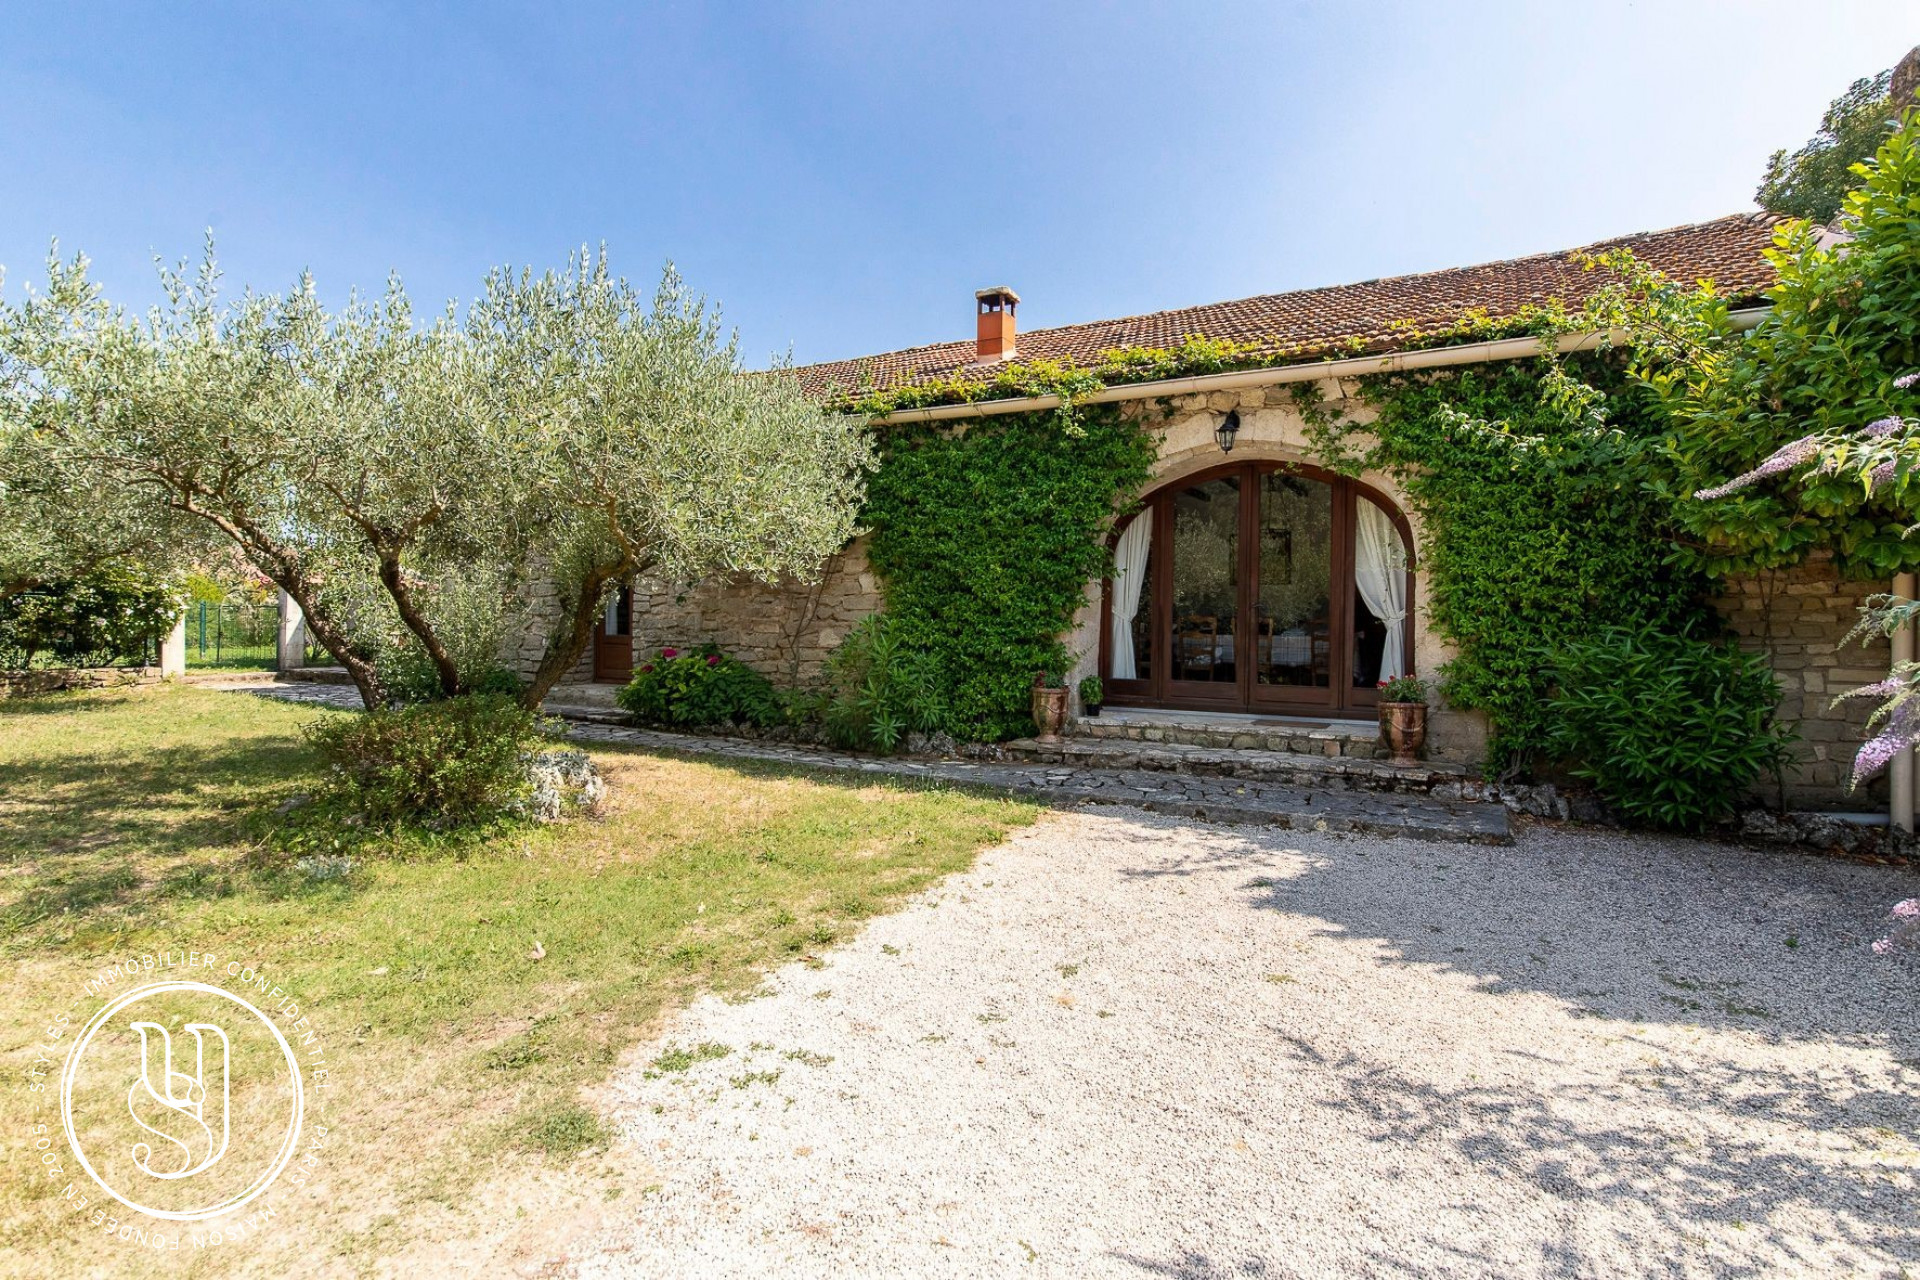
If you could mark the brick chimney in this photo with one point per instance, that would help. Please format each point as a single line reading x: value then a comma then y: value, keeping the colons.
x: 996, y: 322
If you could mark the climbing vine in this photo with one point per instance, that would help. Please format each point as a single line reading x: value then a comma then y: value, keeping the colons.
x: 985, y: 539
x: 1537, y: 522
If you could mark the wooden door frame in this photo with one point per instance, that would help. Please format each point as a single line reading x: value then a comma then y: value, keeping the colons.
x: 613, y: 651
x: 1159, y: 690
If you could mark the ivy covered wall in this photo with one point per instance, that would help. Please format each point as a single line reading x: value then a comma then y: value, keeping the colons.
x: 985, y: 540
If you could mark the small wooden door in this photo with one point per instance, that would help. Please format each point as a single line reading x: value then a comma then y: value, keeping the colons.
x: 613, y: 641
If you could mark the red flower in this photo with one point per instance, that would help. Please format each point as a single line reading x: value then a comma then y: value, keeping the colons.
x: 648, y: 667
x: 669, y: 653
x: 713, y: 659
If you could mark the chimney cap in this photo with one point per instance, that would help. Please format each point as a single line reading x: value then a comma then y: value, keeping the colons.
x: 999, y: 291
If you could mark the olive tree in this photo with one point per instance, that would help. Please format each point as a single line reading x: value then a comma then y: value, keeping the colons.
x: 409, y: 485
x: 309, y: 441
x: 649, y: 449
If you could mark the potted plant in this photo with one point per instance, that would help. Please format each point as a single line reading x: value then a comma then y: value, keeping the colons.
x: 1049, y: 705
x: 1403, y: 717
x: 1091, y: 694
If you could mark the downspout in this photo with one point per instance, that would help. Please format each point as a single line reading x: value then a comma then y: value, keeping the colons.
x: 1900, y: 771
x: 1245, y: 379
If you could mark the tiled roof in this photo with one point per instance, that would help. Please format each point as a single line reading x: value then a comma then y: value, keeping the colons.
x: 1366, y: 316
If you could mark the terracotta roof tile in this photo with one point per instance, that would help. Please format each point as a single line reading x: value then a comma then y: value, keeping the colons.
x: 1727, y: 251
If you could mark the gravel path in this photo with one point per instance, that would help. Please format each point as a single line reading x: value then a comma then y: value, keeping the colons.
x: 1123, y: 1045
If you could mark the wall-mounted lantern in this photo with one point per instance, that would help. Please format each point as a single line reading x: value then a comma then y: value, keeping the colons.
x: 1229, y: 428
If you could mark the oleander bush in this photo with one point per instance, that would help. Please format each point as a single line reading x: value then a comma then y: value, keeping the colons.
x: 879, y: 688
x: 1672, y: 730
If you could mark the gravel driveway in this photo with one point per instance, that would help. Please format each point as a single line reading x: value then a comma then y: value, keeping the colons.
x: 1128, y: 1046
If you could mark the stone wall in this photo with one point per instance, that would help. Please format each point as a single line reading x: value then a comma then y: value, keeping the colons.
x: 1799, y: 618
x: 783, y: 631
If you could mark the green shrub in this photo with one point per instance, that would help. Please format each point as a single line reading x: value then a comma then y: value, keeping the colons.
x: 407, y: 675
x: 691, y: 688
x: 1672, y: 730
x: 1403, y: 689
x: 114, y: 613
x: 878, y: 688
x: 448, y: 763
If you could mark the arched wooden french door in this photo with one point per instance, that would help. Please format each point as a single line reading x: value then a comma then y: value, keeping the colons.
x: 1259, y: 586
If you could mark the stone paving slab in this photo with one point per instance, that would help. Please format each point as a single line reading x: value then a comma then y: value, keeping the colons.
x: 1244, y: 801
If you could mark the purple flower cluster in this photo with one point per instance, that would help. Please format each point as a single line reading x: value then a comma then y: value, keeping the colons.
x: 1783, y: 459
x: 1906, y: 927
x: 1797, y: 453
x: 1901, y: 730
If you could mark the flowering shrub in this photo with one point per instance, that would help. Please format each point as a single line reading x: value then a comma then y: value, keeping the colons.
x: 113, y: 613
x: 686, y: 688
x: 1906, y: 928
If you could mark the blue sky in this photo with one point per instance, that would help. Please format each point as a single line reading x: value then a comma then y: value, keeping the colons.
x: 842, y: 177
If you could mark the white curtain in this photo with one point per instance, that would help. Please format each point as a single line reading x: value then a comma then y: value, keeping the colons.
x: 1380, y: 571
x: 1129, y: 576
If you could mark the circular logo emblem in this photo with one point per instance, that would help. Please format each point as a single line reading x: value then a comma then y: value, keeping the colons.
x: 182, y: 1100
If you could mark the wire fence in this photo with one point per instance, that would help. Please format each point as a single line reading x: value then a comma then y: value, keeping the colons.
x: 232, y: 635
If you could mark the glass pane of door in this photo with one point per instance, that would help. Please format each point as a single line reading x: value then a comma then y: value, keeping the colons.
x: 1293, y: 639
x: 1206, y: 583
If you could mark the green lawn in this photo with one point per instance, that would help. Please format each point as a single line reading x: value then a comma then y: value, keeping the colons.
x: 141, y: 820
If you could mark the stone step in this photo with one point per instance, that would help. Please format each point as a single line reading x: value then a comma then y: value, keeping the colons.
x: 576, y: 714
x: 1286, y: 766
x: 1357, y: 738
x: 318, y: 675
x: 585, y: 704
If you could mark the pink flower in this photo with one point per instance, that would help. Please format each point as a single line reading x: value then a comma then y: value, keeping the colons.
x: 1907, y: 910
x: 1883, y: 947
x: 669, y: 653
x: 648, y: 667
x: 1906, y: 380
x: 713, y: 659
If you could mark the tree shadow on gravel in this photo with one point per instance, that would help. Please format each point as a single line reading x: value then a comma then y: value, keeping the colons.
x: 1638, y: 928
x: 1653, y: 1154
x: 1631, y: 931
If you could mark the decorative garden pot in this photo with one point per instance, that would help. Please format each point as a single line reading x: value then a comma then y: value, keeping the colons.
x: 1403, y: 727
x: 1049, y: 712
x: 1091, y: 708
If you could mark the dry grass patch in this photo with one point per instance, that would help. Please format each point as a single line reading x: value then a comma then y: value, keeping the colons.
x: 139, y: 821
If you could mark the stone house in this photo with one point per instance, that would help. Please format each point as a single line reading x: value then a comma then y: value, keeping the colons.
x: 1254, y: 588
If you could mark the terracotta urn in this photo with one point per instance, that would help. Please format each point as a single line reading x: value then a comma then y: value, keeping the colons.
x: 1049, y: 711
x: 1403, y: 727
